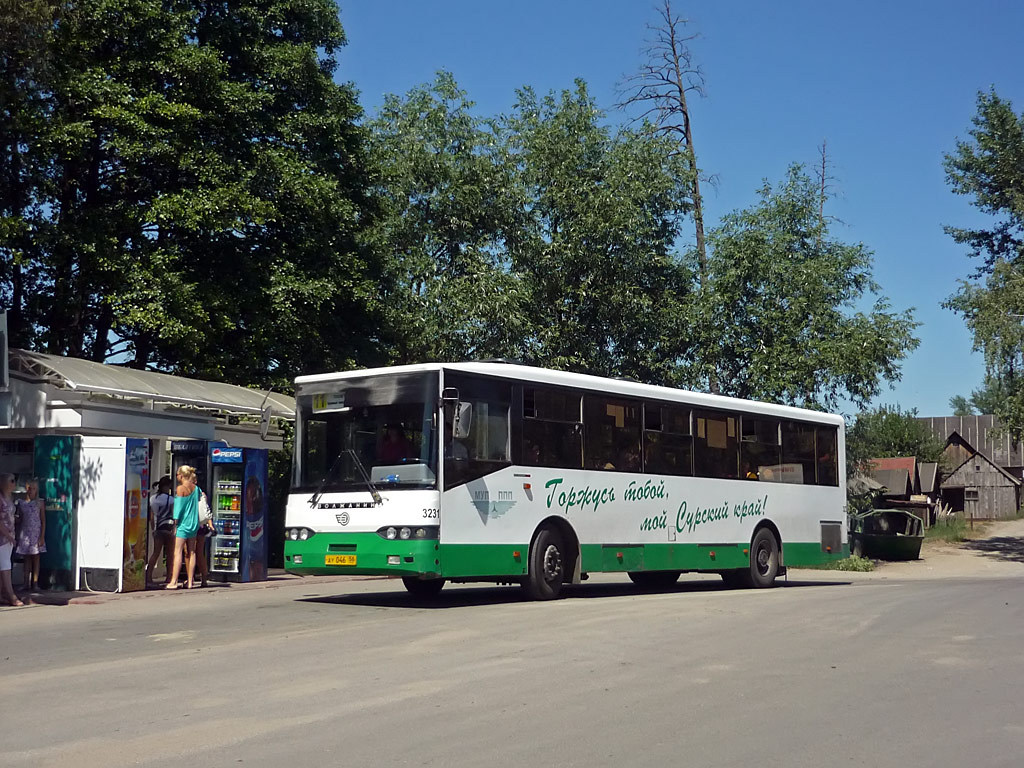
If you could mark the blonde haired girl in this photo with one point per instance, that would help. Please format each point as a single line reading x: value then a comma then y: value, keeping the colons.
x: 186, y: 518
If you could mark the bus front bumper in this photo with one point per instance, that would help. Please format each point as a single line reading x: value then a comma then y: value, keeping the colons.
x: 365, y: 554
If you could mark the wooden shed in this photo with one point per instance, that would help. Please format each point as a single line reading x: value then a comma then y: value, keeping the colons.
x: 981, y: 489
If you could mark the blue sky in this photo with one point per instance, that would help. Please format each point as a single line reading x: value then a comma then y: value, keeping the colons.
x: 889, y: 85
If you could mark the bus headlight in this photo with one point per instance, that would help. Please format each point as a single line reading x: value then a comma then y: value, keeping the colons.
x: 293, y: 534
x: 420, y: 532
x: 299, y: 534
x: 303, y: 534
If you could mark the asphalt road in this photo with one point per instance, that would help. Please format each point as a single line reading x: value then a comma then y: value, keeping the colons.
x: 833, y: 669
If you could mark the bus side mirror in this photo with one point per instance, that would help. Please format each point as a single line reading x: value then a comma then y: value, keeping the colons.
x: 463, y: 420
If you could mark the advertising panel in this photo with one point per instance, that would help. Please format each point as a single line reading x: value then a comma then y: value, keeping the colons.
x: 56, y: 466
x: 136, y: 506
x: 254, y: 504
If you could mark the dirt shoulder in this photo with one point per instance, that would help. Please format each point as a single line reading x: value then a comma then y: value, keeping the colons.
x: 997, y: 551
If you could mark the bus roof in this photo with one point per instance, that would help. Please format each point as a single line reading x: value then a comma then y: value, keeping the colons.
x: 622, y: 387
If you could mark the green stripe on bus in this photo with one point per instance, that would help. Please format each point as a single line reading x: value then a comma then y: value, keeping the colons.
x: 471, y: 560
x: 810, y: 553
x: 371, y: 552
x: 512, y: 560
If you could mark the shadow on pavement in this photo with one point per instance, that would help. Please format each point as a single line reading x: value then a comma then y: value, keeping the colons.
x: 462, y: 595
x: 1007, y: 548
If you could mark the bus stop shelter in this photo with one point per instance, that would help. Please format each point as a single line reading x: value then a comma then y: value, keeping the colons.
x: 101, y: 409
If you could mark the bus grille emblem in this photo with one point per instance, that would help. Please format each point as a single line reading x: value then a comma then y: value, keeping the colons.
x: 342, y: 518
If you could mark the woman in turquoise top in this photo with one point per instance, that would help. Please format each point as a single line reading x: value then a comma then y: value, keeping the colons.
x: 186, y: 518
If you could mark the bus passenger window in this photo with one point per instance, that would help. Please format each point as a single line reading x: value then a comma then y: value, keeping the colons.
x: 612, y: 433
x: 668, y: 444
x: 798, y: 452
x: 828, y: 472
x: 552, y: 433
x: 760, y: 450
x: 715, y: 445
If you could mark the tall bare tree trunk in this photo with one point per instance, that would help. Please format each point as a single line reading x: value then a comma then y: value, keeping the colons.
x: 661, y: 86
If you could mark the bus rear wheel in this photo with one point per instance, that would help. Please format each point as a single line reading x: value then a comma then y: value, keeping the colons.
x: 654, y: 579
x: 423, y: 588
x: 547, y: 569
x: 764, y: 559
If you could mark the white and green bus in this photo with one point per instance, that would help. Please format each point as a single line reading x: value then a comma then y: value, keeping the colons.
x: 512, y: 474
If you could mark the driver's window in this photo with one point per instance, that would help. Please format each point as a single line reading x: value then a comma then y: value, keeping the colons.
x: 476, y: 433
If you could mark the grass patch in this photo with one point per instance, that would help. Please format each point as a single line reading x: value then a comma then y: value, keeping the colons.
x: 851, y: 563
x: 952, y: 531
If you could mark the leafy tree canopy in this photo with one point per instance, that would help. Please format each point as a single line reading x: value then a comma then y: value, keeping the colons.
x: 982, y: 401
x: 780, y: 319
x: 197, y: 189
x: 886, y: 432
x: 989, y: 168
x: 541, y: 235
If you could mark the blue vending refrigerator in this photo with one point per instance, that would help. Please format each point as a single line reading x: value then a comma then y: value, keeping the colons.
x: 192, y: 453
x: 56, y: 466
x: 238, y: 551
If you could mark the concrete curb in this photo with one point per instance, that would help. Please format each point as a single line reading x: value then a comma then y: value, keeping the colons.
x: 100, y: 598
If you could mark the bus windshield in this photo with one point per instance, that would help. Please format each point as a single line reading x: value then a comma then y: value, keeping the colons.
x: 387, y: 423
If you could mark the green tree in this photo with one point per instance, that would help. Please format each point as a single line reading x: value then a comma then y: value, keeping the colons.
x: 25, y: 39
x: 961, y: 406
x: 449, y: 206
x: 988, y: 167
x: 204, y: 189
x: 985, y: 400
x: 606, y: 293
x: 779, y: 319
x: 542, y: 235
x: 887, y: 432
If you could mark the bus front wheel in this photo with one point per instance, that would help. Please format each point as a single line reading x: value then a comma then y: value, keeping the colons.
x: 423, y: 588
x: 547, y: 566
x: 764, y: 559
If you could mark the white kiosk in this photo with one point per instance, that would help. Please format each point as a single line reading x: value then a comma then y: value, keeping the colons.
x: 98, y: 435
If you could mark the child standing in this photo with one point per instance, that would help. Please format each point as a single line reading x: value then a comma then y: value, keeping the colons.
x: 32, y: 534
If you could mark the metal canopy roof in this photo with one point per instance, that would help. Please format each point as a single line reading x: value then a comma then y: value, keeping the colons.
x: 87, y: 376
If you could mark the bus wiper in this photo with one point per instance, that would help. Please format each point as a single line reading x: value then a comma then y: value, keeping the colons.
x: 315, y: 498
x: 377, y: 500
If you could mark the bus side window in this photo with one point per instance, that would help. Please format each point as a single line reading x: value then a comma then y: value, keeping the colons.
x: 798, y: 449
x: 552, y: 432
x: 760, y: 448
x: 612, y: 433
x: 827, y: 445
x: 715, y: 445
x: 482, y: 442
x: 668, y: 442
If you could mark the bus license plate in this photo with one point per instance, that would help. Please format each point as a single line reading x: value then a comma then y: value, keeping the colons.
x: 340, y: 560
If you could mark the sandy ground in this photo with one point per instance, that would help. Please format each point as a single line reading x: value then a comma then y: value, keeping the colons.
x: 997, y: 551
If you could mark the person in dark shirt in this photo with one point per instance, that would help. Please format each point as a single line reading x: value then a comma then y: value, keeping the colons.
x: 161, y: 520
x: 396, y: 446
